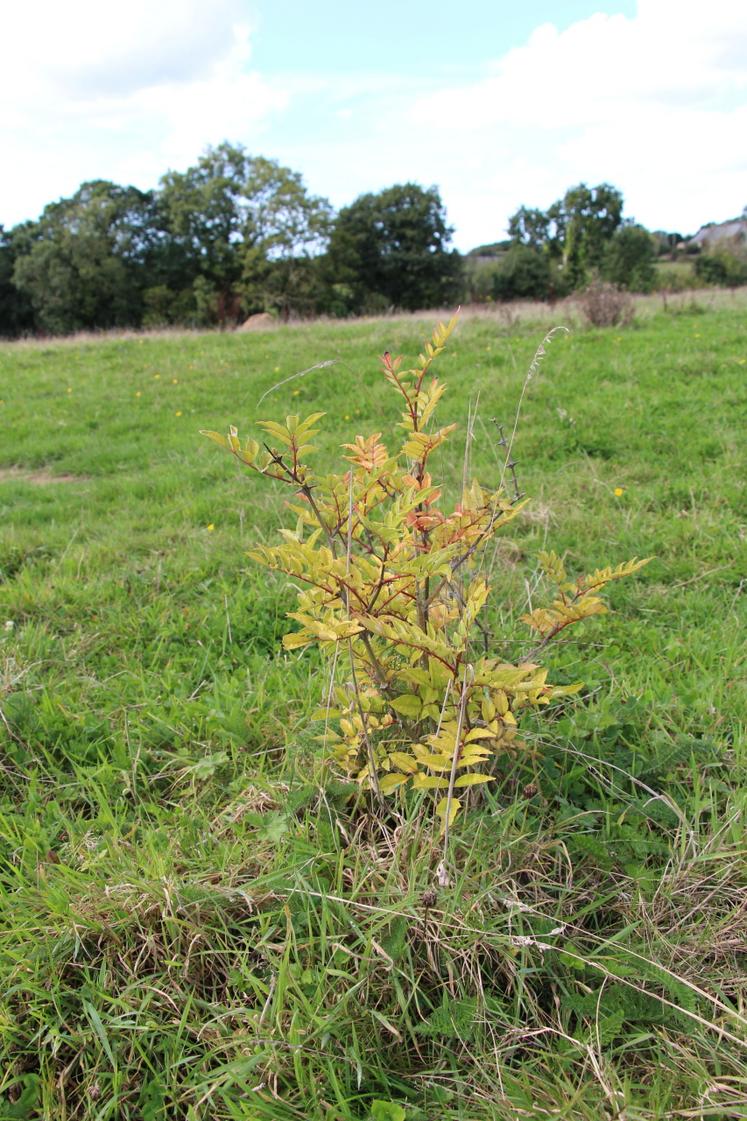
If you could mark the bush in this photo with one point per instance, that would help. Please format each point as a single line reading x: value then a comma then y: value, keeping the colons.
x: 606, y: 305
x: 523, y: 274
x: 392, y: 590
x: 678, y: 276
x: 629, y: 259
x: 479, y: 279
x: 725, y: 266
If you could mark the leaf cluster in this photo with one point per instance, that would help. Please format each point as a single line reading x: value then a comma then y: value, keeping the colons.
x: 391, y: 589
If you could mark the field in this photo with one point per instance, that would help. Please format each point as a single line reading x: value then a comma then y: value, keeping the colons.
x: 198, y: 922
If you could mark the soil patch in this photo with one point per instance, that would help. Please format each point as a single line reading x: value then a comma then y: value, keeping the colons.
x: 40, y: 478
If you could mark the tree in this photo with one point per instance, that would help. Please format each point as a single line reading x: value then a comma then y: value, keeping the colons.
x: 574, y: 232
x: 523, y: 273
x: 629, y: 259
x: 83, y: 264
x: 390, y: 249
x: 238, y: 224
x: 200, y: 210
x: 285, y: 231
x: 16, y: 313
x: 529, y: 227
x: 584, y: 220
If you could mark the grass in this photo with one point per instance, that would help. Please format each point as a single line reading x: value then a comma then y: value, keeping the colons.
x: 195, y: 922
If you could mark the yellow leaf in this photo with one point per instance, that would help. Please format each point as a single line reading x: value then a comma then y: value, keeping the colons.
x: 478, y: 734
x: 435, y: 762
x: 274, y: 429
x: 406, y: 763
x: 390, y: 782
x: 453, y: 809
x: 215, y: 437
x: 295, y: 639
x: 472, y: 780
x: 429, y: 782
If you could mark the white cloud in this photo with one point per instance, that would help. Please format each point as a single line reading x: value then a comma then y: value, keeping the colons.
x: 656, y: 104
x: 96, y: 90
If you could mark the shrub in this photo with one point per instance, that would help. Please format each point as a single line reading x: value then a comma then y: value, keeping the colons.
x: 606, y: 305
x: 629, y: 259
x: 522, y: 274
x: 726, y: 265
x: 392, y: 592
x: 679, y: 276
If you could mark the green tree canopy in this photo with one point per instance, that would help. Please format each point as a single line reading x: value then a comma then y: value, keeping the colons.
x: 523, y: 273
x: 16, y: 313
x: 391, y: 249
x: 574, y: 231
x: 82, y: 264
x: 236, y: 221
x: 529, y: 227
x: 629, y: 259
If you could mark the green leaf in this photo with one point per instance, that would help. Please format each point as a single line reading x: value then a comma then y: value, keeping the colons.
x: 387, y: 1111
x: 454, y: 1019
x: 98, y: 1027
x: 408, y: 704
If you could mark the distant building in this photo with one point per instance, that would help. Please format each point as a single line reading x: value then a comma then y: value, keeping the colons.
x: 714, y: 233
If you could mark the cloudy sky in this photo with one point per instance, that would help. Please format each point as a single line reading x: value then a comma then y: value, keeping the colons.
x: 496, y: 106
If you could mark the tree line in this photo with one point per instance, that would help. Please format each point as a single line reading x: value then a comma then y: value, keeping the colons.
x: 237, y: 234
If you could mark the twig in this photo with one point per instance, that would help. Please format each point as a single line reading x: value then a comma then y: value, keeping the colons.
x: 300, y: 374
x: 356, y: 689
x: 443, y: 877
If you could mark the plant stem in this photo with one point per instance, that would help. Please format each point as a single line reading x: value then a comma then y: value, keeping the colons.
x: 469, y: 674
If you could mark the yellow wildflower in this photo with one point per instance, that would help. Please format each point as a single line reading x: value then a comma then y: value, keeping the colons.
x: 619, y: 492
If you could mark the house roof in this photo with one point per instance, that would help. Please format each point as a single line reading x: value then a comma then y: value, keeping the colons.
x: 720, y: 231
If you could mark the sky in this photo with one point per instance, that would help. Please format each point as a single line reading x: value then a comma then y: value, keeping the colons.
x: 497, y: 104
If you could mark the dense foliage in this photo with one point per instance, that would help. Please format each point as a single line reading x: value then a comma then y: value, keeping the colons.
x: 392, y: 590
x: 238, y: 234
x: 390, y: 250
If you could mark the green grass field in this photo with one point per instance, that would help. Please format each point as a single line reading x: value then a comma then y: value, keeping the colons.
x: 197, y: 921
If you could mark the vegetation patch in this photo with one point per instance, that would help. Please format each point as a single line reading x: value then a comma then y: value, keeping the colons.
x: 200, y: 917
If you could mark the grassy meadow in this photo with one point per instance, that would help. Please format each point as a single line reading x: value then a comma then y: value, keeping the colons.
x: 197, y: 920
